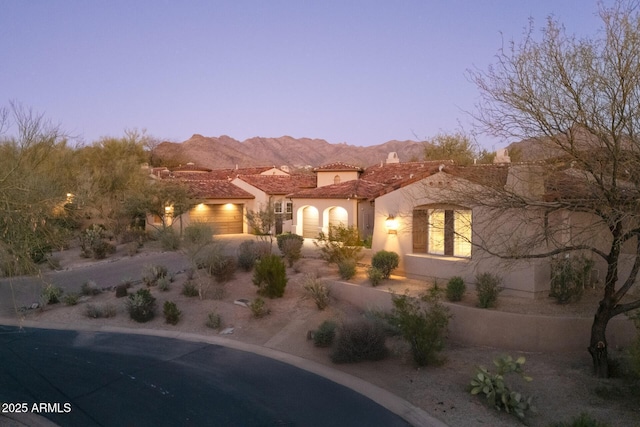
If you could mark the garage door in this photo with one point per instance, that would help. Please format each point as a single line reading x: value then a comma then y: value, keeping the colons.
x: 224, y: 219
x: 310, y: 223
x: 338, y: 217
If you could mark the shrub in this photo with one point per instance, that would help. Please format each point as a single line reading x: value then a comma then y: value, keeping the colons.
x: 359, y: 340
x: 71, y: 299
x: 92, y: 242
x: 198, y: 234
x: 223, y: 268
x: 569, y: 277
x: 141, y: 306
x: 317, y: 291
x: 168, y: 238
x: 496, y: 390
x: 424, y: 328
x: 247, y: 255
x: 53, y: 262
x: 375, y: 276
x: 100, y: 311
x: 89, y: 288
x: 455, y: 289
x: 270, y: 276
x: 122, y: 289
x: 51, y: 294
x: 324, y: 335
x: 290, y: 246
x: 164, y: 283
x: 152, y: 273
x: 341, y: 243
x: 132, y: 248
x: 189, y: 289
x: 214, y: 320
x: 488, y: 288
x: 347, y: 268
x: 217, y: 293
x: 171, y: 312
x: 259, y: 308
x: 583, y: 420
x: 386, y: 262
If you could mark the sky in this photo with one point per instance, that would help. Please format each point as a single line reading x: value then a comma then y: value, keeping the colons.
x: 347, y: 71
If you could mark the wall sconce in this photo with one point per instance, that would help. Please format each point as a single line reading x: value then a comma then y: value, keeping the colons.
x: 391, y: 224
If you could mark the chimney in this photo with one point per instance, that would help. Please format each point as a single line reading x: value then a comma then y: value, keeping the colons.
x: 502, y: 156
x: 393, y: 157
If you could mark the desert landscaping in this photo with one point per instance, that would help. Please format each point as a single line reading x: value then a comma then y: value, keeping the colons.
x: 563, y: 386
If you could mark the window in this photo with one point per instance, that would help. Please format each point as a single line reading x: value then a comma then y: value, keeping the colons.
x: 277, y: 207
x: 336, y: 179
x: 289, y: 211
x: 442, y: 231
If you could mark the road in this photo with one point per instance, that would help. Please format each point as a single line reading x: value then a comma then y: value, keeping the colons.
x: 108, y: 379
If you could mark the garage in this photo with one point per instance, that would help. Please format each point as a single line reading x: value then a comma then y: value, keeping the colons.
x: 223, y: 218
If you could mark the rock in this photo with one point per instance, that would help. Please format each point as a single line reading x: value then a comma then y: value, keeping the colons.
x: 242, y: 302
x: 226, y: 331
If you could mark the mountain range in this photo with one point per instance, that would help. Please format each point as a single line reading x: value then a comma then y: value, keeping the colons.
x: 226, y: 152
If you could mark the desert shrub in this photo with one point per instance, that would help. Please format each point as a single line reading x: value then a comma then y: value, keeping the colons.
x: 169, y: 239
x: 347, y: 268
x: 122, y: 290
x: 290, y: 246
x: 455, y: 289
x: 569, y: 276
x: 223, y: 268
x: 171, y: 312
x: 270, y: 276
x: 359, y: 340
x: 216, y: 293
x: 247, y: 255
x: 141, y: 306
x: 258, y: 308
x: 164, y: 283
x: 488, y: 288
x: 341, y: 243
x: 53, y: 262
x: 214, y: 320
x: 152, y: 273
x: 92, y: 242
x: 132, y: 248
x: 51, y: 294
x: 197, y: 234
x: 375, y: 276
x: 493, y: 386
x: 71, y: 299
x: 386, y: 262
x: 100, y: 249
x: 190, y: 289
x: 583, y: 420
x: 316, y: 290
x: 89, y: 288
x: 324, y: 335
x: 96, y: 311
x: 423, y: 327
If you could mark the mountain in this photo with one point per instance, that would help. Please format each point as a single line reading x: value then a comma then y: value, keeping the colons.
x: 225, y: 152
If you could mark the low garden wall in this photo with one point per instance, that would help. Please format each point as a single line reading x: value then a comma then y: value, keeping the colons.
x: 508, y: 331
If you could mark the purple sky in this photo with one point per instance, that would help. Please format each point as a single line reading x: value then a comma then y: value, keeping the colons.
x: 360, y: 72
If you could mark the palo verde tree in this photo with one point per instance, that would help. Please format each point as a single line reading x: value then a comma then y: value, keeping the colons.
x: 34, y: 159
x: 580, y: 99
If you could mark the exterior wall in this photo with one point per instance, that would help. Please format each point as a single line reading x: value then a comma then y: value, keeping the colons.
x: 327, y: 178
x: 526, y: 278
x: 323, y: 206
x: 275, y: 171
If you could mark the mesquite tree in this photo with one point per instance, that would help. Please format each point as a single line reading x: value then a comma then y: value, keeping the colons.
x: 579, y: 99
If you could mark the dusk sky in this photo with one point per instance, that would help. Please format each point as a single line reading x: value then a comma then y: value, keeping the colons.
x: 360, y: 72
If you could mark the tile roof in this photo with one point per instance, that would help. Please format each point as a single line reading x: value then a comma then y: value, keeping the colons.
x: 216, y: 189
x: 279, y: 184
x: 354, y: 189
x: 337, y: 166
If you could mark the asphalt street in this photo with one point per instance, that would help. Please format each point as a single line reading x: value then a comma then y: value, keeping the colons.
x: 108, y: 379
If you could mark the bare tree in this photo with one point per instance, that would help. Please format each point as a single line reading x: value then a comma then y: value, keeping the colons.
x: 581, y: 99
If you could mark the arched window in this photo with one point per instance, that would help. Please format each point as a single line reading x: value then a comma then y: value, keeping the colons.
x: 442, y: 230
x: 336, y: 179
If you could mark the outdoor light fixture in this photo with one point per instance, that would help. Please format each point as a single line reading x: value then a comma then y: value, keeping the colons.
x: 391, y: 224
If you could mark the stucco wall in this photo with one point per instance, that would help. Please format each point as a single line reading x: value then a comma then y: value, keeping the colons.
x: 508, y: 331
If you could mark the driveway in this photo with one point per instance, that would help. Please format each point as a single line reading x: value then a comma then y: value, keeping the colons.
x: 107, y: 379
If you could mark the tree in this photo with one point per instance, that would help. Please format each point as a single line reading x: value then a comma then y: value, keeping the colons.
x: 34, y: 182
x: 457, y: 147
x: 580, y: 98
x: 262, y: 222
